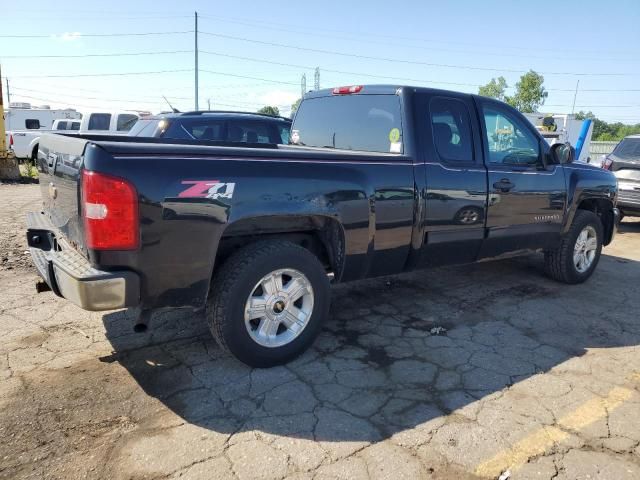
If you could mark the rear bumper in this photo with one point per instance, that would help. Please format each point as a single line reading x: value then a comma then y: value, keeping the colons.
x: 628, y: 198
x: 71, y: 276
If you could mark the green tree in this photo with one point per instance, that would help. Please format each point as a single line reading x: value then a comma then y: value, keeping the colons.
x: 294, y: 107
x: 608, y: 132
x: 530, y: 93
x: 269, y: 110
x: 494, y: 89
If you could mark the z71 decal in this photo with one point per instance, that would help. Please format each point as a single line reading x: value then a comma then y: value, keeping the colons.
x: 213, y: 189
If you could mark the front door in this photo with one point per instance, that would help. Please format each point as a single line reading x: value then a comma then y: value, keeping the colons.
x: 527, y: 196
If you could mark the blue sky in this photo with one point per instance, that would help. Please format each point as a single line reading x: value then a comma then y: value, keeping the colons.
x: 454, y: 45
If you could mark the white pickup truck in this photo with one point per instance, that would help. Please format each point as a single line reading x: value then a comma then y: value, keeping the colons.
x: 24, y: 143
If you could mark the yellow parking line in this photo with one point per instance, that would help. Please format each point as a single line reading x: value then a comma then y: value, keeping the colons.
x: 542, y: 439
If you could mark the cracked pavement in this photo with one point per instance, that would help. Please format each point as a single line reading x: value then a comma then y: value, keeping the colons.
x: 525, y: 375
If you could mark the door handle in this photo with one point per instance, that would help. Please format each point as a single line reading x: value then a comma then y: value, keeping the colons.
x: 504, y: 185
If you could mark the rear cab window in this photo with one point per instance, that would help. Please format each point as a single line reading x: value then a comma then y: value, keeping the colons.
x: 125, y: 122
x: 252, y: 132
x: 201, y: 128
x: 368, y: 123
x: 99, y: 121
x: 146, y: 128
x: 61, y: 125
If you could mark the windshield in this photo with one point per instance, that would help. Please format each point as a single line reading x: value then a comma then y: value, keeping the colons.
x: 628, y: 149
x: 370, y: 123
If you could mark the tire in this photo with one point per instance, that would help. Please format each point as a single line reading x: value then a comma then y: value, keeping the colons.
x: 560, y: 263
x: 239, y: 280
x: 468, y: 216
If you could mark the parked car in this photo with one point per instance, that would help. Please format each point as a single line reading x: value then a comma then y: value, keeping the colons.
x: 624, y: 162
x: 254, y: 235
x: 215, y: 126
x: 25, y: 144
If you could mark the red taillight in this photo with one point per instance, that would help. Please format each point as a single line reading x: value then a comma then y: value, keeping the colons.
x: 110, y: 212
x: 606, y: 163
x: 11, y: 140
x: 347, y: 90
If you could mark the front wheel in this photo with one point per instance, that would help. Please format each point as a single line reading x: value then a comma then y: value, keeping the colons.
x: 579, y: 252
x: 267, y: 302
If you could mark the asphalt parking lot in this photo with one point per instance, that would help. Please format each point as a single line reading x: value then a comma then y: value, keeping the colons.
x: 456, y: 373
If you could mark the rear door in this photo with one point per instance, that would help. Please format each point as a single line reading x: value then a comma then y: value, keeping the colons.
x: 455, y: 178
x: 526, y: 198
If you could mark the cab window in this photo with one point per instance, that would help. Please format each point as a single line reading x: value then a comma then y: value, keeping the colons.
x: 509, y: 141
x: 126, y: 121
x: 99, y: 121
x: 451, y: 128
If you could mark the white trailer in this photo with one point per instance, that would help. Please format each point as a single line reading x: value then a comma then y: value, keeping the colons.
x: 564, y: 128
x: 21, y: 116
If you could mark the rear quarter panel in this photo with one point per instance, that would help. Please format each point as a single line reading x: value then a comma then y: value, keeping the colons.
x: 182, y: 219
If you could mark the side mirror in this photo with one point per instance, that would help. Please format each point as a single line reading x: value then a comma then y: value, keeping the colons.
x: 563, y: 153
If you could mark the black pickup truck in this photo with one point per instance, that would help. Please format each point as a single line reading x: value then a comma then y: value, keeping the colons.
x: 378, y: 180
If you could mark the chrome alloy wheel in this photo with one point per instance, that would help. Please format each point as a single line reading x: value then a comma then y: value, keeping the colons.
x: 585, y: 249
x: 279, y: 308
x: 468, y: 216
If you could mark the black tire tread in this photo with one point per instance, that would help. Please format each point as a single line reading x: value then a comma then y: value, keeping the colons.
x: 556, y: 262
x: 227, y: 276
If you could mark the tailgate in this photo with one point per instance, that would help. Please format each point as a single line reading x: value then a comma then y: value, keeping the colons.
x: 59, y: 163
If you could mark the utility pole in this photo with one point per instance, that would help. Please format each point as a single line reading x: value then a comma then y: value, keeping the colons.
x: 573, y: 108
x: 303, y: 85
x: 316, y: 79
x: 8, y: 92
x: 196, y: 58
x: 208, y: 104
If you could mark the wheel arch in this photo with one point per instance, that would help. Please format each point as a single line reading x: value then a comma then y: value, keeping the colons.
x: 603, y: 208
x: 322, y: 235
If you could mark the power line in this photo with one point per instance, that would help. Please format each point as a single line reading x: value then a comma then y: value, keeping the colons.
x: 130, y: 54
x: 361, y: 74
x: 396, y: 60
x: 354, y: 37
x: 104, y: 74
x: 28, y: 90
x: 248, y: 77
x: 260, y: 23
x: 233, y: 105
x: 343, y: 72
x: 131, y: 34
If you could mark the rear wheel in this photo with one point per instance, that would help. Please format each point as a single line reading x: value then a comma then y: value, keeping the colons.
x: 576, y: 257
x: 268, y: 302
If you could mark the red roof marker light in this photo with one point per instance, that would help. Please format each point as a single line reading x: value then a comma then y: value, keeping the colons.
x: 347, y: 90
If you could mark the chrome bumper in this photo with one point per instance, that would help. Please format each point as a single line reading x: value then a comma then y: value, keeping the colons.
x: 70, y: 275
